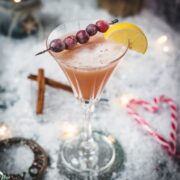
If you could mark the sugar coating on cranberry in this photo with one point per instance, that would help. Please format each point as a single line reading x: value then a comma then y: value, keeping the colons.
x: 82, y: 36
x: 57, y: 45
x: 102, y: 26
x: 70, y: 42
x: 91, y: 29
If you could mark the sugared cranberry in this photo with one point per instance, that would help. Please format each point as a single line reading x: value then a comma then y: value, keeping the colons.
x: 91, y: 29
x: 70, y: 42
x: 102, y: 26
x: 82, y: 36
x: 57, y: 45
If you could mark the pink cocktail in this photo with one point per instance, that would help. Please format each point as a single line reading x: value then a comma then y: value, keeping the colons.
x: 88, y: 68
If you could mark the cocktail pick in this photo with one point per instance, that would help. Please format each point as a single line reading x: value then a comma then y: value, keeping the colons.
x: 82, y: 37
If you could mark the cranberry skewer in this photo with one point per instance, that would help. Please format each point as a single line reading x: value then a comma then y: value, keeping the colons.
x: 82, y: 37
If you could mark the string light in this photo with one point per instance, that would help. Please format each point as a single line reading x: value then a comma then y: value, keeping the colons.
x: 68, y: 130
x: 166, y: 49
x: 164, y: 45
x: 4, y: 131
x: 111, y: 139
x: 17, y: 1
x: 162, y: 39
x: 124, y: 99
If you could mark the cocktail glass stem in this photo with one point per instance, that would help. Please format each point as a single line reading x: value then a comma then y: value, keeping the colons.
x: 88, y: 149
x: 87, y: 128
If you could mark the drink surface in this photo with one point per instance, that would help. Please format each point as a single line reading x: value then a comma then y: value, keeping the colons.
x: 89, y: 66
x: 98, y: 52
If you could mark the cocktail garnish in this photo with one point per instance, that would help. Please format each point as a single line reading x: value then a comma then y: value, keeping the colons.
x: 82, y: 37
x: 70, y: 42
x: 102, y: 26
x: 56, y: 45
x: 91, y: 29
x: 124, y: 33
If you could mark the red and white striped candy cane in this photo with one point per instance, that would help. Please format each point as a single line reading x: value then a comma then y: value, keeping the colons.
x: 169, y: 145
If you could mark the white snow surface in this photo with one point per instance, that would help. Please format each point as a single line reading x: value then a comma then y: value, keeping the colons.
x: 138, y: 76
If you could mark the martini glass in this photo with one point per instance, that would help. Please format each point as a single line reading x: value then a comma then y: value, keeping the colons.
x: 88, y: 68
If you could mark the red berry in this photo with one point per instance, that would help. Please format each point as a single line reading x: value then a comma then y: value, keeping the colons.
x: 70, y: 42
x: 57, y: 45
x: 82, y: 36
x: 102, y: 26
x: 91, y: 29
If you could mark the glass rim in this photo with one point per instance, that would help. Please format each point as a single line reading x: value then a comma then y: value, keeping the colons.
x: 83, y: 68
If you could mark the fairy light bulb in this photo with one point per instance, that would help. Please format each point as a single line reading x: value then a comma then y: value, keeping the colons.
x: 68, y: 130
x: 17, y: 1
x: 124, y: 99
x: 4, y: 131
x: 111, y: 139
x: 164, y: 46
x: 162, y: 39
x: 166, y: 49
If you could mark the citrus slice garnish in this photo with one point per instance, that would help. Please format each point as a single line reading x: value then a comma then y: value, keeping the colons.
x: 128, y: 33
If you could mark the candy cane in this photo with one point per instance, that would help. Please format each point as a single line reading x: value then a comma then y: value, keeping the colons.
x: 169, y: 145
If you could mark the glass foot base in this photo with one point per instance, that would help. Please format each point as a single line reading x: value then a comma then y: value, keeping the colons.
x: 106, y: 163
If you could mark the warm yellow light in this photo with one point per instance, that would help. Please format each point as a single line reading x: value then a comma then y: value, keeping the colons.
x: 17, y: 1
x: 124, y: 99
x: 162, y: 39
x: 4, y: 132
x: 166, y: 49
x: 111, y: 138
x: 68, y: 130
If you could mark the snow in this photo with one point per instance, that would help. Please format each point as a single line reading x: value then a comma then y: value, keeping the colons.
x: 139, y: 76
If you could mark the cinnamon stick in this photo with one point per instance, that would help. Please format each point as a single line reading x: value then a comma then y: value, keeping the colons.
x: 52, y: 83
x: 41, y: 91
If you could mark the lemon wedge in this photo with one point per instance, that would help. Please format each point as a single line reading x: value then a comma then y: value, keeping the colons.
x: 128, y: 33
